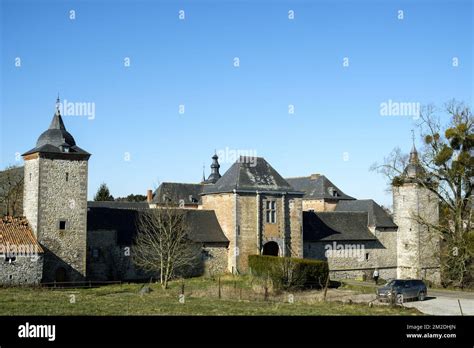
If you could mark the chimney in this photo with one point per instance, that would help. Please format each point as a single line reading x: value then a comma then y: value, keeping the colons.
x: 315, y: 176
x: 149, y: 196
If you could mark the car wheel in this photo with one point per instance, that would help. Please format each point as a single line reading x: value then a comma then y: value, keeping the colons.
x: 421, y: 296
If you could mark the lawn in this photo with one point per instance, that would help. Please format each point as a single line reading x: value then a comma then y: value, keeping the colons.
x: 239, y: 296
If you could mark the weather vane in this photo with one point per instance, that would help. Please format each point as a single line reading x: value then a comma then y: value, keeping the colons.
x: 58, y: 102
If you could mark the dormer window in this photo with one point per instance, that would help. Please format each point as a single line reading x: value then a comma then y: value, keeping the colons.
x: 332, y: 191
x: 64, y: 147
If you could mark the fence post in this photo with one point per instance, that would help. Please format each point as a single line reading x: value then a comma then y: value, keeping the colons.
x: 326, y: 288
x: 182, y: 288
x: 266, y: 288
x: 219, y: 284
x: 460, y: 308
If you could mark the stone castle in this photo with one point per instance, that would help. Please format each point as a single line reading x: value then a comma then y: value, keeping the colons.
x: 250, y: 209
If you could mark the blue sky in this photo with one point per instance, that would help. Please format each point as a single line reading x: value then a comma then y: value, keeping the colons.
x: 138, y: 137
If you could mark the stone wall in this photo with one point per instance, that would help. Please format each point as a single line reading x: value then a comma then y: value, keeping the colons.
x: 417, y: 247
x: 295, y: 212
x: 224, y: 206
x: 318, y: 205
x: 62, y: 196
x: 31, y: 192
x: 107, y: 261
x: 23, y: 271
x: 243, y: 220
x: 214, y: 259
x: 248, y: 230
x: 358, y: 258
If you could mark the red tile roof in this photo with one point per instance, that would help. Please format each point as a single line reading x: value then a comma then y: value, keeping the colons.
x: 16, y: 232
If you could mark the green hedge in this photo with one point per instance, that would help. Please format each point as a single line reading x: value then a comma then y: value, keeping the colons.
x: 289, y: 272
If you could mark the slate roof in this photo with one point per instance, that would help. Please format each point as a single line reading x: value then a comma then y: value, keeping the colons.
x: 203, y: 224
x: 378, y: 217
x: 54, y: 137
x: 318, y: 187
x: 17, y: 232
x: 414, y: 170
x: 246, y: 176
x: 117, y: 205
x: 174, y: 192
x: 335, y: 226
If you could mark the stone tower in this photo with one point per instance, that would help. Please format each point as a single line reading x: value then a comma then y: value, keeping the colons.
x: 417, y: 246
x: 55, y: 201
x: 259, y: 212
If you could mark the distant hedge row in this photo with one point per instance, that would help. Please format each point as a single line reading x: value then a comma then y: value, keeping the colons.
x: 288, y: 272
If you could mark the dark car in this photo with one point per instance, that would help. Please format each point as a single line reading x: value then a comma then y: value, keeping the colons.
x: 402, y: 289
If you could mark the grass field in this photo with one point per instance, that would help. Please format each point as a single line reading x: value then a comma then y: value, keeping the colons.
x: 239, y: 296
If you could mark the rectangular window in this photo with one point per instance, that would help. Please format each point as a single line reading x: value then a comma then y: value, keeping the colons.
x: 270, y: 212
x: 10, y: 259
x: 62, y: 225
x: 67, y: 176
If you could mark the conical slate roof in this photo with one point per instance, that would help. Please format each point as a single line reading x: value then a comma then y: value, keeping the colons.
x: 56, y: 134
x: 414, y: 169
x: 56, y: 139
x: 252, y: 176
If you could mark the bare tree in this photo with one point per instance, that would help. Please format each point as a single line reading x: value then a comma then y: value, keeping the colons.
x: 11, y: 191
x: 448, y: 163
x: 162, y: 244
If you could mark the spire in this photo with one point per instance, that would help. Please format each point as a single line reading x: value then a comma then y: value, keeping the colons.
x: 414, y: 168
x: 215, y: 175
x: 57, y: 122
x: 413, y: 152
x: 58, y: 104
x: 203, y: 173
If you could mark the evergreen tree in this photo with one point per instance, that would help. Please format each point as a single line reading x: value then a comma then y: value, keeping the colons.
x: 103, y: 194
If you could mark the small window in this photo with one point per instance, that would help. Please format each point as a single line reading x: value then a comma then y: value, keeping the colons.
x: 366, y: 256
x: 67, y: 176
x: 30, y: 176
x: 62, y: 225
x: 10, y: 277
x: 10, y: 259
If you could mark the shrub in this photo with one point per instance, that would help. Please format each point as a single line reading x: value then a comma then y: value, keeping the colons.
x: 288, y: 272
